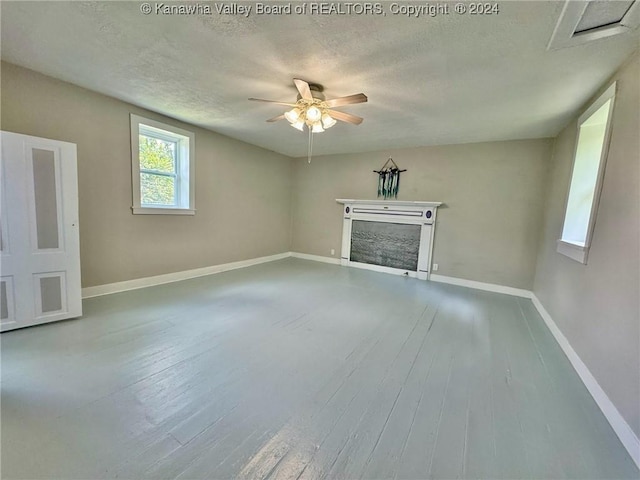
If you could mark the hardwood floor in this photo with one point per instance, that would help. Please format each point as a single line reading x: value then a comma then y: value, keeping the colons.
x: 296, y: 369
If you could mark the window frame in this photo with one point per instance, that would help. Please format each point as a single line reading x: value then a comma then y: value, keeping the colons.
x: 184, y: 166
x: 573, y: 250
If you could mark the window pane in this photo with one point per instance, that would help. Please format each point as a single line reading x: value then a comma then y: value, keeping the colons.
x: 585, y: 176
x: 157, y: 189
x: 157, y: 154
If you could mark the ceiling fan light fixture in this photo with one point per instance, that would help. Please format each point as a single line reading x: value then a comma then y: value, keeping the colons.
x: 313, y: 114
x: 298, y: 125
x: 292, y: 115
x: 328, y: 121
x: 317, y: 127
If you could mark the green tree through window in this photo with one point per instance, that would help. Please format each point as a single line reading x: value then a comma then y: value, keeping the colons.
x: 157, y: 171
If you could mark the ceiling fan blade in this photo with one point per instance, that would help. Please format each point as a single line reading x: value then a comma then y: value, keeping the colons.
x: 348, y: 100
x: 272, y: 101
x: 345, y: 117
x: 275, y: 119
x: 303, y: 88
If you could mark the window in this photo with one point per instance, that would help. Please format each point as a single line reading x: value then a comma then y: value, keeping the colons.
x: 586, y: 177
x: 162, y: 168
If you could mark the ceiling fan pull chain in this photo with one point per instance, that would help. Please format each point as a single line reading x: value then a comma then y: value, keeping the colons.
x: 310, y: 147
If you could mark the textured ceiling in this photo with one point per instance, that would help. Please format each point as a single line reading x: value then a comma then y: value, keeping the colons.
x: 430, y: 80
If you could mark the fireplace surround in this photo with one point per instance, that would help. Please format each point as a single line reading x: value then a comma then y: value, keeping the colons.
x: 390, y: 236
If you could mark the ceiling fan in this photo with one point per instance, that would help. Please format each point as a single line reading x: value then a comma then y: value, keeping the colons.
x: 311, y: 108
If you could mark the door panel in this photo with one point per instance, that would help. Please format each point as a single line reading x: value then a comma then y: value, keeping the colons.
x: 50, y: 294
x: 40, y: 254
x: 7, y: 310
x: 44, y: 169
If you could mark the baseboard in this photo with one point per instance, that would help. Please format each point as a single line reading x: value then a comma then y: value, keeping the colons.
x: 611, y: 413
x: 176, y: 277
x: 316, y: 258
x: 489, y: 287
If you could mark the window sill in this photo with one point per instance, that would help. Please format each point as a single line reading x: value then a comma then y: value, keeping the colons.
x: 162, y: 211
x: 573, y: 251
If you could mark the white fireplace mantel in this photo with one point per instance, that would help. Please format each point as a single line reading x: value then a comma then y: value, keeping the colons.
x: 390, y: 203
x: 418, y: 213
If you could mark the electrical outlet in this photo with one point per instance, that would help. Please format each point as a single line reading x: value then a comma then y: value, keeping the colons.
x: 435, y: 267
x: 333, y: 252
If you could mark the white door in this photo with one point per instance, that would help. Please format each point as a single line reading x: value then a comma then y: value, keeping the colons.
x: 39, y: 242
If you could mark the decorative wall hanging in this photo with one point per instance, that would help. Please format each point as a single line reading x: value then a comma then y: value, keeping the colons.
x: 389, y: 179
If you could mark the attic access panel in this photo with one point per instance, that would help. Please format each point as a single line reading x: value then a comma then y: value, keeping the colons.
x: 585, y: 21
x: 601, y: 13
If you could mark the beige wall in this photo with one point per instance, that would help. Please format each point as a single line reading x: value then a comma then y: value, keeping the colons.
x: 234, y: 182
x: 488, y: 229
x: 597, y: 305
